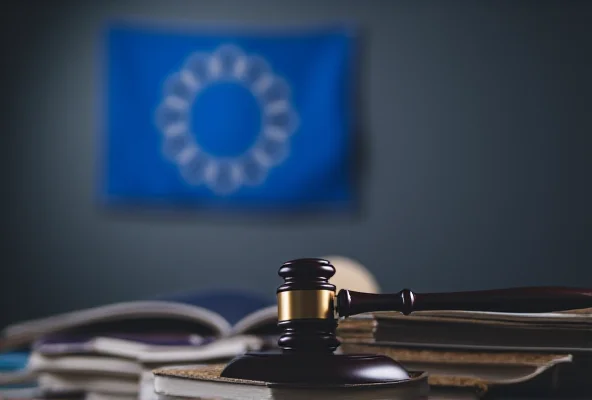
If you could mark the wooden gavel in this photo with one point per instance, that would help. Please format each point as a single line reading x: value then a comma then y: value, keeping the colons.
x: 309, y: 308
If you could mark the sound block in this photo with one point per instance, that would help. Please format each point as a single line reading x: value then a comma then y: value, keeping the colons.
x: 312, y: 368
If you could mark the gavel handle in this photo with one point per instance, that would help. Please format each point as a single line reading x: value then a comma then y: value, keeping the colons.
x: 518, y: 300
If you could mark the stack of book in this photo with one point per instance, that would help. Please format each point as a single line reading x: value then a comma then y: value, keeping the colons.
x: 482, y: 352
x: 108, y: 352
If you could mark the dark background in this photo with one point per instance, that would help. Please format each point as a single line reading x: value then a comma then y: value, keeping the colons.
x: 476, y: 121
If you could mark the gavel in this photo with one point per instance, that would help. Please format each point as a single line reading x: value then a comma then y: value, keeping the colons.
x: 309, y: 310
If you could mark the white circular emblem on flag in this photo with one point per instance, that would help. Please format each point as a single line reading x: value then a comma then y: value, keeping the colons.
x: 227, y: 64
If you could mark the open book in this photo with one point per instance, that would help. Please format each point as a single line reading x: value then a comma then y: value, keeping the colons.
x: 203, y: 314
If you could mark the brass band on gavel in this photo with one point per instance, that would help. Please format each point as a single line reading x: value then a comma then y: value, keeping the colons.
x: 301, y: 304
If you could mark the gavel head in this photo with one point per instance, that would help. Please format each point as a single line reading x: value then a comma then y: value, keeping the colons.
x: 306, y: 306
x: 307, y: 318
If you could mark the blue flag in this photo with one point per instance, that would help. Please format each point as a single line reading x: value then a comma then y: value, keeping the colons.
x: 240, y: 118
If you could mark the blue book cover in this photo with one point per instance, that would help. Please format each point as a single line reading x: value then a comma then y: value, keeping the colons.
x: 227, y: 117
x: 13, y: 361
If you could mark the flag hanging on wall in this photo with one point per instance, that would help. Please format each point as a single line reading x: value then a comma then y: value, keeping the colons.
x: 226, y: 117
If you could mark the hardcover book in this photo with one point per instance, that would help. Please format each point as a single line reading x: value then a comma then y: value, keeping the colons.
x: 198, y: 382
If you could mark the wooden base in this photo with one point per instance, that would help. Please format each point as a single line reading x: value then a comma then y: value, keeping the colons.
x: 313, y: 368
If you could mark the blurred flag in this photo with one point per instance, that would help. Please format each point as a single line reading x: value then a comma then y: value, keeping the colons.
x: 241, y: 118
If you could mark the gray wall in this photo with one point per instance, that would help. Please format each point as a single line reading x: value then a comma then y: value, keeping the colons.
x: 476, y: 140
